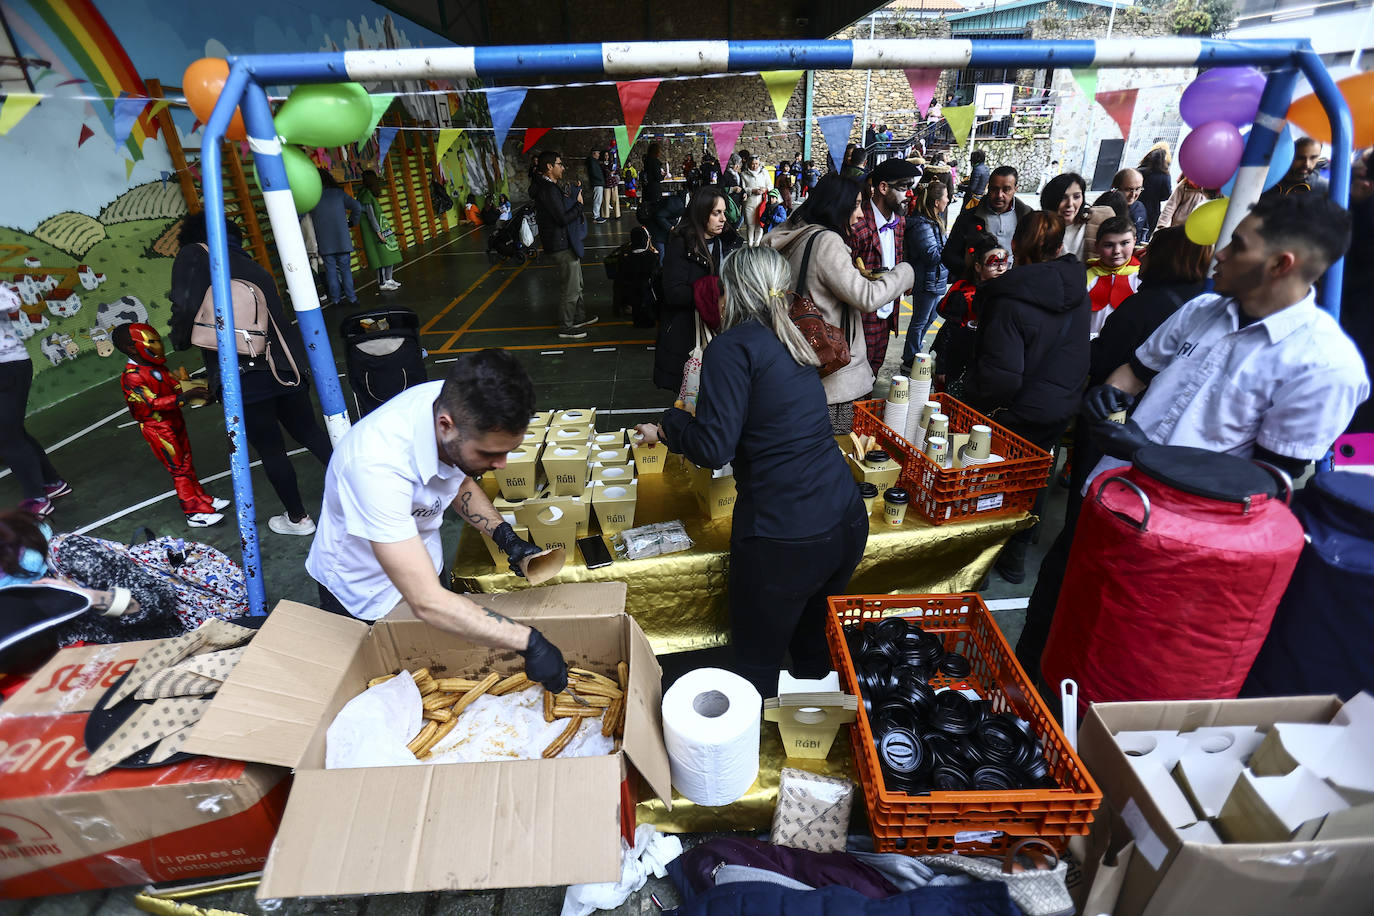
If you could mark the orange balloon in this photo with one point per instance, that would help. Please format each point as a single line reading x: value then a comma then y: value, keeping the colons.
x: 1358, y: 90
x: 203, y: 82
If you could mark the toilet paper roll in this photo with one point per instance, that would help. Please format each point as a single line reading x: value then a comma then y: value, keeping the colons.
x: 711, y: 729
x: 895, y: 414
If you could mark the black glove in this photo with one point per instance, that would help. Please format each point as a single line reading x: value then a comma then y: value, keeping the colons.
x: 1104, y: 400
x: 1120, y: 440
x: 514, y: 546
x: 544, y: 663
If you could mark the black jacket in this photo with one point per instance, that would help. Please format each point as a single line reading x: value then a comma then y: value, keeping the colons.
x: 682, y: 268
x: 651, y: 180
x: 1155, y: 189
x: 1132, y: 323
x: 191, y: 280
x: 1031, y: 356
x: 561, y: 223
x: 969, y: 222
x: 596, y: 174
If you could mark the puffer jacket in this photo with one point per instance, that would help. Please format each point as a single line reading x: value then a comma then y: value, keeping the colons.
x: 924, y: 242
x: 1031, y: 356
x: 835, y: 285
x: 682, y: 268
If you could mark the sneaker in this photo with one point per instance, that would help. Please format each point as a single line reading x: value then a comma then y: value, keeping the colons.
x: 42, y: 506
x: 395, y: 284
x: 599, y: 219
x: 203, y: 519
x: 282, y: 524
x: 574, y: 334
x: 324, y: 297
x: 220, y: 503
x: 54, y: 490
x: 587, y: 322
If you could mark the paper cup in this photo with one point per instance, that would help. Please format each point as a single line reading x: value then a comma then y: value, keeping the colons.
x: 542, y: 567
x: 938, y: 426
x: 900, y: 390
x: 979, y: 442
x: 869, y: 494
x: 928, y: 410
x: 894, y: 505
x: 922, y: 367
x: 1117, y: 417
x: 937, y: 450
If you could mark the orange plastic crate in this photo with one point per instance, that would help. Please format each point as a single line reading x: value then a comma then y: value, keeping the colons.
x: 936, y: 821
x: 942, y: 495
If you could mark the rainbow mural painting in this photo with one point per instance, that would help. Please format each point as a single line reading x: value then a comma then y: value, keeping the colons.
x: 87, y: 37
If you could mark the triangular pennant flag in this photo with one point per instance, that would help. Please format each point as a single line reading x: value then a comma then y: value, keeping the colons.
x: 836, y: 129
x: 157, y: 107
x: 195, y: 125
x: 622, y: 142
x: 126, y: 111
x: 1120, y: 105
x: 504, y: 104
x: 923, y: 83
x: 380, y: 103
x: 960, y: 120
x: 164, y: 176
x: 532, y: 135
x: 86, y: 134
x: 385, y: 137
x: 781, y: 84
x: 17, y: 104
x: 447, y: 137
x: 1086, y: 80
x: 128, y: 168
x: 70, y: 82
x: 634, y: 102
x: 726, y: 135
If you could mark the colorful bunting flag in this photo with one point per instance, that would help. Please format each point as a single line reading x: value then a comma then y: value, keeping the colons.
x: 195, y: 125
x: 385, y: 137
x: 1120, y: 105
x: 447, y: 137
x: 157, y: 108
x: 126, y: 111
x: 1086, y: 80
x: 86, y: 134
x: 726, y: 135
x: 960, y: 120
x: 504, y: 104
x: 622, y: 142
x: 380, y: 103
x: 164, y: 176
x: 634, y: 102
x: 17, y: 104
x: 923, y: 83
x: 836, y: 129
x: 128, y: 168
x: 71, y: 82
x: 532, y: 135
x: 781, y: 84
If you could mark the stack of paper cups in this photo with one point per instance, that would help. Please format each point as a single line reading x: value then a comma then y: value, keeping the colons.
x: 922, y: 368
x: 898, y: 400
x: 938, y: 425
x: 978, y: 449
x: 928, y: 410
x: 937, y: 450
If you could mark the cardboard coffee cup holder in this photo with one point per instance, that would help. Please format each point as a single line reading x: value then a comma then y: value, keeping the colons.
x: 603, y: 454
x: 541, y: 419
x: 552, y: 526
x: 881, y: 476
x: 808, y: 722
x: 614, y: 504
x: 649, y: 459
x: 519, y: 479
x: 566, y: 467
x: 575, y: 507
x: 613, y: 473
x: 584, y: 417
x: 613, y: 439
x: 715, y: 490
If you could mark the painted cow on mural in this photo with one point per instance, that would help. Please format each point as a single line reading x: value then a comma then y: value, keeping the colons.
x: 124, y: 310
x: 59, y: 347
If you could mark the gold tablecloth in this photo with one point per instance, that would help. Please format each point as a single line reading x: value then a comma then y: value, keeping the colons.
x: 754, y: 810
x: 680, y: 600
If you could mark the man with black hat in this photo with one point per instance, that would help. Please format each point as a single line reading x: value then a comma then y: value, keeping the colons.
x: 876, y: 240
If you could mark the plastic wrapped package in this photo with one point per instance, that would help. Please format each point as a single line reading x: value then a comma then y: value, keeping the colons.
x: 812, y: 811
x: 652, y: 540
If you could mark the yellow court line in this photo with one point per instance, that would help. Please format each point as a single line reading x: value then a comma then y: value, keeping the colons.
x: 463, y: 329
x: 460, y: 297
x: 555, y: 345
x: 550, y: 327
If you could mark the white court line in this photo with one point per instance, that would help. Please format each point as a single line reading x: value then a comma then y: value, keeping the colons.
x: 550, y: 352
x: 603, y: 349
x: 1008, y: 604
x: 161, y: 496
x: 634, y: 410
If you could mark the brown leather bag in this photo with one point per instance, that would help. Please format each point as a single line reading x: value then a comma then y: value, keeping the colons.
x: 831, y: 344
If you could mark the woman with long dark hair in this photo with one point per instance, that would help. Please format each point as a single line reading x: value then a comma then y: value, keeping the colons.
x: 799, y: 526
x: 1155, y: 185
x: 1066, y: 195
x: 691, y: 268
x: 924, y: 241
x: 1031, y: 354
x: 840, y: 290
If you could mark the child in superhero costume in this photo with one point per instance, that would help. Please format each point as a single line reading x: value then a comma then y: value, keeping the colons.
x: 154, y: 398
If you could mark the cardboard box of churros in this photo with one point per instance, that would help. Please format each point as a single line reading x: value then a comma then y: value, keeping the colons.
x: 432, y: 823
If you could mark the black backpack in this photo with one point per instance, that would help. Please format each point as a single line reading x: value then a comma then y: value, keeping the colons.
x: 442, y: 202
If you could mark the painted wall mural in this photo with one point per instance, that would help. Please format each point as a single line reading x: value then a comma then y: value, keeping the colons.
x: 91, y: 208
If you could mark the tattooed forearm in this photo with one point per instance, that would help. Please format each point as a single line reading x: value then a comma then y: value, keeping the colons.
x: 494, y: 615
x: 474, y: 516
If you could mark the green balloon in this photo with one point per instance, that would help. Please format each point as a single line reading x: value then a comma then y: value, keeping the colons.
x: 325, y: 115
x: 303, y: 177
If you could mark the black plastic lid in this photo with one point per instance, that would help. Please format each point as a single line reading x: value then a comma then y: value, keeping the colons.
x: 897, y: 496
x: 1214, y: 475
x: 868, y: 490
x: 876, y: 456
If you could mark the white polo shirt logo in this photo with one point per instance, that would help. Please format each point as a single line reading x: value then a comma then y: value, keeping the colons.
x: 429, y: 511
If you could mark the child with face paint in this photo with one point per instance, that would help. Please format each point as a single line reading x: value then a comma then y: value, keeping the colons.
x: 1114, y: 275
x: 154, y: 398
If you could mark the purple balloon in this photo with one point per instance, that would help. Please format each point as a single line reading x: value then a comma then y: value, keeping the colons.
x: 1210, y: 155
x: 1230, y: 94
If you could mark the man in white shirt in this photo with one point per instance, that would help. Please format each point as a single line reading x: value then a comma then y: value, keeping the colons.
x: 1254, y: 369
x: 388, y: 482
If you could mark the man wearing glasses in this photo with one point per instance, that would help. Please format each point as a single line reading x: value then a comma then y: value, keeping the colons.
x: 876, y: 240
x: 1129, y: 184
x: 562, y: 229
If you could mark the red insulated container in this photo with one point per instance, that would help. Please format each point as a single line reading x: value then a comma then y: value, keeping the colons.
x: 1177, y: 566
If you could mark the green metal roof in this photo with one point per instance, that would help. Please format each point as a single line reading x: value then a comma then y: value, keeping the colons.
x: 1016, y: 15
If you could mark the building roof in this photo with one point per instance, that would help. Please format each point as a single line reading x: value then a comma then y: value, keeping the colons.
x: 59, y: 294
x: 927, y: 6
x: 1019, y: 13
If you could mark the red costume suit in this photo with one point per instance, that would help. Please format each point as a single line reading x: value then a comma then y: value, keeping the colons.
x: 153, y: 397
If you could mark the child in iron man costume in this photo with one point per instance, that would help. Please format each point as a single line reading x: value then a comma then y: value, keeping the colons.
x: 154, y: 398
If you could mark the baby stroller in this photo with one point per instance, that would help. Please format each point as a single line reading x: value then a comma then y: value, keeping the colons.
x: 515, y: 238
x: 383, y: 355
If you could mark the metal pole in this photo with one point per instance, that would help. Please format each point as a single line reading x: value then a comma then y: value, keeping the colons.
x: 232, y: 393
x: 1111, y: 19
x: 810, y: 97
x: 1342, y: 141
x: 286, y: 227
x: 868, y: 85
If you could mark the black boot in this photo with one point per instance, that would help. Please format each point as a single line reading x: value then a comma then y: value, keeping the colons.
x: 1011, y: 563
